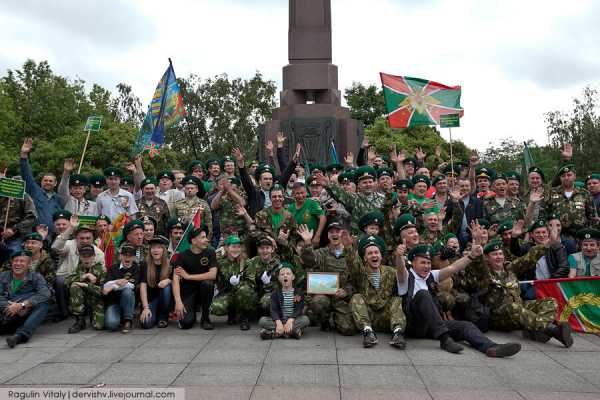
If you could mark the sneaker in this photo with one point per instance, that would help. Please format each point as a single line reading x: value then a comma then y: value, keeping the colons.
x: 398, y: 341
x: 163, y: 324
x: 297, y: 333
x: 451, y: 346
x: 244, y: 324
x: 77, y: 326
x: 266, y: 334
x: 503, y: 350
x: 14, y: 340
x: 207, y: 325
x: 369, y: 338
x: 126, y: 326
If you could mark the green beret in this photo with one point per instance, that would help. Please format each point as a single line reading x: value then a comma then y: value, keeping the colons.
x: 133, y: 225
x: 410, y: 160
x: 438, y: 178
x: 197, y: 231
x: 403, y: 184
x: 500, y: 176
x: 420, y: 250
x: 113, y: 171
x: 537, y: 170
x: 261, y: 169
x: 421, y: 178
x: 212, y: 161
x: 566, y: 168
x: 513, y: 176
x: 195, y: 164
x: 159, y: 240
x: 235, y: 181
x: 127, y: 180
x: 540, y: 223
x: 592, y: 176
x: 34, y: 236
x: 232, y: 239
x: 175, y: 223
x: 452, y: 170
x: 165, y: 174
x: 61, y: 214
x: 285, y: 264
x: 227, y: 158
x: 367, y: 241
x: 385, y: 172
x: 484, y: 223
x: 436, y: 248
x: 148, y: 181
x: 449, y: 235
x: 334, y: 167
x: 386, y: 159
x: 103, y: 217
x: 579, y: 184
x: 20, y: 252
x: 346, y: 176
x: 403, y: 222
x: 365, y: 172
x: 191, y: 180
x: 551, y: 216
x: 484, y: 172
x: 315, y: 167
x: 309, y: 180
x: 78, y: 180
x: 588, y: 233
x: 492, y: 246
x: 97, y: 180
x: 149, y: 219
x: 374, y: 217
x: 84, y: 228
x: 505, y: 226
x: 264, y: 241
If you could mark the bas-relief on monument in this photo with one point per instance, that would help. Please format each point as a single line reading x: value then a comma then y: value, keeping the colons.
x: 310, y: 110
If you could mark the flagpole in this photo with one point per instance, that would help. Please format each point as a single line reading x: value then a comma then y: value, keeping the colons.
x: 87, y: 138
x: 451, y: 156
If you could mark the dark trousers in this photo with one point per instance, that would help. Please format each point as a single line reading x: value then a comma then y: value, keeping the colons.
x: 424, y: 321
x: 62, y: 297
x: 202, y: 296
x: 26, y: 324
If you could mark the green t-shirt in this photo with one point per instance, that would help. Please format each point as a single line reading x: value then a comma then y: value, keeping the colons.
x: 308, y: 214
x: 421, y: 200
x: 276, y: 219
x: 15, y: 284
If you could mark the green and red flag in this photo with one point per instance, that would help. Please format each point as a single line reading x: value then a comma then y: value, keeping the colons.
x: 414, y: 101
x: 578, y: 301
x: 184, y: 243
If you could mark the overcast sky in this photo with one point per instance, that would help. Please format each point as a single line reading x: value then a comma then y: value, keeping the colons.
x: 515, y: 60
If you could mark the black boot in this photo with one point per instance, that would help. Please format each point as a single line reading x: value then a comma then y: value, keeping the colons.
x: 450, y: 345
x: 561, y: 332
x: 78, y: 325
x: 244, y: 324
x: 537, y: 336
x: 231, y: 317
x: 14, y: 340
x: 503, y: 350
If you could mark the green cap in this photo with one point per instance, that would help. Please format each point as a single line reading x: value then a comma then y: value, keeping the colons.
x: 403, y: 184
x: 421, y: 178
x: 449, y: 235
x: 213, y: 161
x: 316, y: 167
x: 484, y: 172
x: 592, y: 176
x: 197, y: 231
x: 261, y: 169
x: 148, y: 219
x: 113, y: 171
x: 588, y: 233
x: 61, y: 214
x: 159, y: 240
x: 540, y: 223
x: 537, y: 170
x: 551, y: 216
x: 403, y: 222
x: 133, y: 225
x: 97, y: 180
x: 500, y: 176
x: 410, y: 160
x: 438, y: 178
x: 195, y: 164
x: 566, y: 168
x: 191, y: 179
x: 127, y: 180
x: 346, y: 176
x: 165, y: 174
x: 367, y: 241
x: 334, y: 167
x: 452, y: 169
x: 232, y: 239
x: 374, y: 217
x: 34, y: 236
x: 484, y: 223
x: 384, y: 171
x: 492, y: 246
x: 20, y: 252
x: 234, y: 180
x: 175, y: 223
x: 420, y: 250
x: 78, y: 180
x: 103, y: 217
x: 148, y: 181
x: 365, y: 172
x: 513, y: 176
x: 505, y: 226
x: 227, y: 158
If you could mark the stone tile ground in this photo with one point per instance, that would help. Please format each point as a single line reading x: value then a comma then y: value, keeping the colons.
x: 230, y: 364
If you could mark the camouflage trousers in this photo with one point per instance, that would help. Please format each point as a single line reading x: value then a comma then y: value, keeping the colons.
x: 328, y: 310
x: 80, y: 298
x: 533, y: 315
x: 389, y: 317
x: 264, y: 304
x: 242, y: 299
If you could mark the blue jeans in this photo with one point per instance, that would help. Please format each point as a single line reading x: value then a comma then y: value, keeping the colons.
x: 160, y: 307
x: 24, y: 325
x: 112, y: 317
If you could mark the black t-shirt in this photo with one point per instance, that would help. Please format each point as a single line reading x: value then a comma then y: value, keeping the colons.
x: 153, y: 292
x: 194, y: 264
x: 132, y: 274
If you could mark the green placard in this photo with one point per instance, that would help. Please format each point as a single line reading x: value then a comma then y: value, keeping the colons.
x: 13, y: 188
x: 93, y: 124
x: 87, y: 220
x: 449, y: 121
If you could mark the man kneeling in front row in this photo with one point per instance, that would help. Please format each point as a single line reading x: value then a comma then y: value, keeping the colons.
x: 421, y: 305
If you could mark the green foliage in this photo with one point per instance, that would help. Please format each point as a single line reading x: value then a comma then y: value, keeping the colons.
x: 383, y: 138
x: 366, y: 103
x: 581, y: 128
x: 508, y: 156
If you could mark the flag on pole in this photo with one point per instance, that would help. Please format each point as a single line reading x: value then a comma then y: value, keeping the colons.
x: 333, y: 154
x: 527, y: 157
x: 578, y: 301
x: 165, y: 110
x: 414, y: 101
x: 152, y: 150
x: 184, y: 243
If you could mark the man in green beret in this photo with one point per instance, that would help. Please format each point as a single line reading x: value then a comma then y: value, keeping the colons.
x: 440, y: 183
x: 41, y: 262
x: 61, y: 222
x: 513, y: 185
x: 417, y: 196
x: 133, y: 234
x: 153, y: 206
x: 228, y: 166
x: 192, y: 204
x: 500, y: 207
x: 417, y: 286
x: 97, y: 184
x: 329, y: 311
x: 592, y: 183
x: 167, y: 190
x: 72, y: 191
x: 213, y: 166
x: 504, y: 232
x: 405, y: 229
x: 385, y: 180
x: 175, y: 229
x: 371, y: 224
x: 575, y: 206
x: 375, y: 304
x: 507, y: 310
x: 24, y: 297
x: 115, y: 201
x: 587, y: 261
x: 265, y: 265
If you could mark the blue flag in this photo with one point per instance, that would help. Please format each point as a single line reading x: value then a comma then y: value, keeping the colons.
x: 165, y: 110
x: 333, y: 154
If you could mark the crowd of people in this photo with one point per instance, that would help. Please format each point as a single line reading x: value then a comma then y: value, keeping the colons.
x: 422, y: 247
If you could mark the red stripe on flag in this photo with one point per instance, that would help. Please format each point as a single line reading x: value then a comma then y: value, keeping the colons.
x: 395, y: 83
x: 400, y: 118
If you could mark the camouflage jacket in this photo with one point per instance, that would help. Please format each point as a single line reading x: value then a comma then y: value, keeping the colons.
x: 21, y: 215
x: 186, y: 209
x: 258, y: 266
x: 229, y: 220
x: 362, y: 281
x: 495, y: 213
x: 324, y: 260
x: 263, y: 223
x: 229, y: 268
x: 356, y: 203
x: 575, y: 213
x: 157, y: 209
x: 97, y: 270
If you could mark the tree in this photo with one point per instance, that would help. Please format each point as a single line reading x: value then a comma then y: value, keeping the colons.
x: 366, y: 103
x: 580, y: 128
x: 508, y: 156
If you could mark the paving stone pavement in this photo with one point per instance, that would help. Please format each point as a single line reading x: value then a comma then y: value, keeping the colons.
x: 227, y: 363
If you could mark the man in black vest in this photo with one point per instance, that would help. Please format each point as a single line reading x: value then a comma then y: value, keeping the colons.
x: 418, y: 286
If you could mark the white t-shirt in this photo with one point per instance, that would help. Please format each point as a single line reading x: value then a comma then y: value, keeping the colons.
x: 420, y: 283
